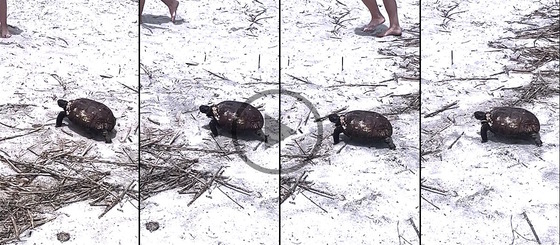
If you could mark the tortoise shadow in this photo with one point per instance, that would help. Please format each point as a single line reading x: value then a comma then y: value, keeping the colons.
x: 377, y: 31
x: 88, y: 133
x: 244, y: 135
x: 159, y: 19
x: 377, y: 144
x: 511, y: 140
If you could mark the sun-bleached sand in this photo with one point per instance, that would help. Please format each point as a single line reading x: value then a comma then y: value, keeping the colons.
x: 68, y: 50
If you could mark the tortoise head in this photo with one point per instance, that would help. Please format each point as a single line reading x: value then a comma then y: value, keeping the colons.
x: 62, y: 103
x: 480, y: 115
x: 205, y: 109
x: 334, y: 118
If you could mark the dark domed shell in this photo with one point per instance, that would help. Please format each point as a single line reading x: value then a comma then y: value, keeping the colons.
x: 246, y: 116
x: 366, y: 124
x: 513, y: 121
x: 90, y: 114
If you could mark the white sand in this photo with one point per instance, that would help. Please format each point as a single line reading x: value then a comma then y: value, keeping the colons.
x: 488, y: 188
x: 213, y: 35
x: 375, y: 193
x: 78, y: 41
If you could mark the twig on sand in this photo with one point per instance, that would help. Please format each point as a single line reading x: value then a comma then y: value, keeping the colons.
x: 216, y: 75
x: 290, y: 185
x: 446, y: 107
x: 117, y: 200
x: 334, y: 112
x: 455, y: 141
x: 154, y: 121
x: 9, y: 126
x: 57, y: 78
x: 254, y: 16
x: 414, y: 226
x: 292, y: 189
x: 339, y: 2
x: 59, y: 38
x: 324, y: 210
x: 128, y: 87
x: 399, y: 233
x: 512, y: 229
x: 28, y: 201
x: 339, y: 150
x: 447, y: 13
x: 220, y: 147
x: 20, y: 135
x: 223, y: 192
x: 469, y: 79
x: 147, y: 71
x: 306, y: 81
x: 532, y: 228
x: 537, y: 88
x: 360, y: 85
x: 207, y: 185
x: 429, y: 202
x: 338, y: 20
x: 433, y: 189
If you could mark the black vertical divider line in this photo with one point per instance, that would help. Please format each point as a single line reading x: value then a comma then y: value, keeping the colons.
x: 139, y: 159
x: 279, y: 120
x: 420, y: 124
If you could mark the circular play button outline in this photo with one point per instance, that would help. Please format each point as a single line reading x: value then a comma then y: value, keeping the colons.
x: 296, y: 167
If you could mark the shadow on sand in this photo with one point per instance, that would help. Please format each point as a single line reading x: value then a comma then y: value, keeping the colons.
x: 345, y: 140
x: 159, y: 19
x: 510, y: 140
x: 87, y: 133
x: 377, y: 31
x: 243, y: 136
x: 14, y: 30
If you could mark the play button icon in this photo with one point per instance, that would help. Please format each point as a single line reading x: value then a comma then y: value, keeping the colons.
x: 276, y: 132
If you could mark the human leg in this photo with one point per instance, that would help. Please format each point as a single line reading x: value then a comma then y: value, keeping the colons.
x: 142, y: 6
x: 376, y: 17
x: 172, y: 5
x: 4, y: 33
x: 394, y: 26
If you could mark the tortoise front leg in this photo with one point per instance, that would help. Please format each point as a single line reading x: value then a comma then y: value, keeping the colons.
x: 537, y: 139
x: 484, y: 132
x: 60, y: 117
x: 389, y: 142
x: 107, y: 136
x: 214, y: 127
x: 336, y: 134
x: 260, y: 133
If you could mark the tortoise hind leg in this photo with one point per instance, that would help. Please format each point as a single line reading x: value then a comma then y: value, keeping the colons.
x: 336, y: 134
x: 537, y: 139
x: 60, y: 117
x: 389, y: 142
x: 107, y: 136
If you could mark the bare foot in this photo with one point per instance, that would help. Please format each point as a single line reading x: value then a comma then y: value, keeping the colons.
x: 373, y: 23
x: 5, y: 33
x: 173, y: 10
x: 392, y: 31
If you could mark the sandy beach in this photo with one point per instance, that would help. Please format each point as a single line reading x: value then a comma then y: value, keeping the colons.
x: 50, y: 176
x: 486, y: 193
x: 166, y: 179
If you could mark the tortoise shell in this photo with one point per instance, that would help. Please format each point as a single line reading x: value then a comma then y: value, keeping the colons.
x: 244, y: 116
x: 90, y: 114
x: 511, y: 121
x: 366, y: 125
